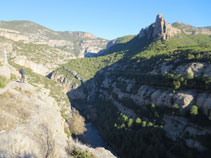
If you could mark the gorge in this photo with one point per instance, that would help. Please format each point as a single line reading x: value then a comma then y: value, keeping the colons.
x: 147, y: 95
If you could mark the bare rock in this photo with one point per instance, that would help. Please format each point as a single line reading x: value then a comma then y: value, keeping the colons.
x: 208, y: 71
x: 184, y: 99
x: 159, y: 29
x: 5, y: 72
x: 38, y: 68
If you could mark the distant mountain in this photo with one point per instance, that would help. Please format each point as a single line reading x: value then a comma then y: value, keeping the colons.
x: 29, y: 43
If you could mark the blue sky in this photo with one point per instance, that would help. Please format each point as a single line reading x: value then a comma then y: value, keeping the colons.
x: 106, y: 18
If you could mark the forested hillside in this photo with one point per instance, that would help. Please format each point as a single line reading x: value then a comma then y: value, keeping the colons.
x: 149, y: 96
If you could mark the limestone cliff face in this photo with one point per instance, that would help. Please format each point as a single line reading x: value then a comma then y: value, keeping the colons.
x: 159, y: 29
x: 32, y: 125
x: 75, y: 43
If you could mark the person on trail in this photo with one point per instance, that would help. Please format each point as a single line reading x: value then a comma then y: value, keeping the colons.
x: 21, y: 71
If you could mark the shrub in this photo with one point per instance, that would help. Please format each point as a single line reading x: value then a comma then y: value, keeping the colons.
x: 78, y: 153
x: 149, y: 124
x: 77, y: 123
x: 153, y: 105
x: 176, y: 84
x: 189, y: 76
x: 194, y: 110
x: 138, y: 120
x: 175, y: 106
x: 144, y: 123
x: 130, y: 122
x: 2, y: 82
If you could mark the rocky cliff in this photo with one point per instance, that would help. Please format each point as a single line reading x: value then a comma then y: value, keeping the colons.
x: 162, y: 29
x: 159, y: 29
x: 160, y: 82
x: 43, y: 50
x: 34, y: 121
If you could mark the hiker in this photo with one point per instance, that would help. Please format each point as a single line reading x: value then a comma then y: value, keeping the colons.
x: 21, y: 71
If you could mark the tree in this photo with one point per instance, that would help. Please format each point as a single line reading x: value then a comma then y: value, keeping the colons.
x: 153, y: 105
x: 144, y: 123
x: 175, y: 106
x: 194, y: 110
x: 189, y: 75
x: 138, y: 120
x: 149, y: 124
x: 130, y: 122
x: 176, y: 84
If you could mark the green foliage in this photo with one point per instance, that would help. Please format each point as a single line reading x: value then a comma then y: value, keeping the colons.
x: 130, y: 122
x: 13, y: 77
x: 149, y: 124
x: 194, y: 110
x: 153, y: 105
x: 138, y: 120
x: 67, y: 131
x: 78, y: 153
x: 3, y: 82
x: 189, y: 76
x: 175, y: 106
x: 86, y: 68
x: 144, y: 123
x: 124, y: 39
x: 136, y: 141
x: 176, y: 84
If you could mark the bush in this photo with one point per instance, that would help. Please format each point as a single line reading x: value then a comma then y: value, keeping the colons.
x: 77, y: 124
x: 194, y: 110
x: 189, y: 76
x: 138, y: 120
x: 130, y: 122
x: 175, y: 106
x: 78, y: 153
x: 2, y: 82
x: 144, y: 123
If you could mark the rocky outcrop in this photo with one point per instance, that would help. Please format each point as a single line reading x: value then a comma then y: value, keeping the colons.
x: 177, y: 127
x: 81, y: 35
x: 149, y: 95
x: 38, y: 68
x: 159, y: 29
x: 31, y: 123
x: 194, y: 68
x: 5, y: 72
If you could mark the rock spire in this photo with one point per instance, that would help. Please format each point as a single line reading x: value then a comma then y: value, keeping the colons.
x: 159, y: 29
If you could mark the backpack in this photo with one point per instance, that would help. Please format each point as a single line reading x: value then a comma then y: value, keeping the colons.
x: 21, y: 71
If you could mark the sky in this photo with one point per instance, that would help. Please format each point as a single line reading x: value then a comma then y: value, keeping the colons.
x: 107, y: 19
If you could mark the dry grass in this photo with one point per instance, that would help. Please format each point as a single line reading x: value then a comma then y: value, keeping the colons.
x: 77, y: 124
x: 14, y: 110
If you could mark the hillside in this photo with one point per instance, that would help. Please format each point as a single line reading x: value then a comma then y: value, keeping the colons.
x: 149, y: 96
x: 37, y: 47
x: 37, y: 119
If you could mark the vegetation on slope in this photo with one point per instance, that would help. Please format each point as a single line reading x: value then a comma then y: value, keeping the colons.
x: 2, y: 82
x: 144, y: 136
x: 56, y: 90
x: 86, y: 68
x: 134, y: 138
